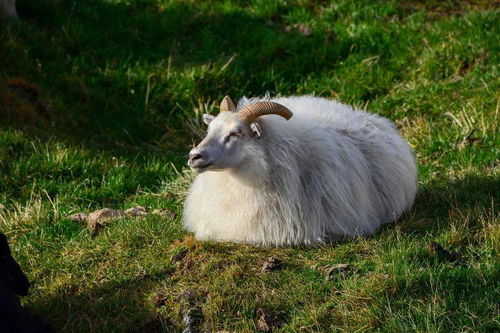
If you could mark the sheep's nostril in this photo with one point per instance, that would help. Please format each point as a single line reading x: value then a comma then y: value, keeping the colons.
x: 195, y: 157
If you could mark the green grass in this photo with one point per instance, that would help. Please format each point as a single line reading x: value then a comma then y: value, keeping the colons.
x: 121, y: 87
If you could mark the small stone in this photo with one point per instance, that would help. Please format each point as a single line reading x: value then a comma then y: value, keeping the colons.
x: 271, y: 264
x: 78, y: 217
x: 136, y: 211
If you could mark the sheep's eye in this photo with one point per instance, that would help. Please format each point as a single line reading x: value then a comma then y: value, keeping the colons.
x: 232, y: 134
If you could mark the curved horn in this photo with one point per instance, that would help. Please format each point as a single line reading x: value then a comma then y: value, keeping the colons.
x: 227, y: 104
x: 250, y: 112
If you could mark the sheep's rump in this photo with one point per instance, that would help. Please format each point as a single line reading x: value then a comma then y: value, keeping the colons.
x: 329, y: 172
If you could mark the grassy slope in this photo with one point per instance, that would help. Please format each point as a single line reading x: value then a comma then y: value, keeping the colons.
x: 122, y: 82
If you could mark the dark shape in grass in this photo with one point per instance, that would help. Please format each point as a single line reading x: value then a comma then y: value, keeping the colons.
x: 271, y: 264
x: 11, y: 274
x: 20, y: 105
x: 13, y: 283
x: 159, y: 300
x: 468, y: 140
x: 153, y: 326
x: 179, y: 256
x: 192, y: 316
x: 192, y: 319
x: 269, y: 320
x: 436, y: 249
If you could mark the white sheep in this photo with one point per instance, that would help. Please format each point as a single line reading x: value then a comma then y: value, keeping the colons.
x: 328, y: 173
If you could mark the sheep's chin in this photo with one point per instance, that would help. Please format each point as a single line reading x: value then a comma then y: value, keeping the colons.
x: 203, y: 168
x: 207, y: 167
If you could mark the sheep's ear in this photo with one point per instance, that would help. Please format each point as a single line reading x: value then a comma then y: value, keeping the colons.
x: 256, y: 130
x: 207, y: 118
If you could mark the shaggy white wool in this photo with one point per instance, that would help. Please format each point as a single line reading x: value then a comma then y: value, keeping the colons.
x: 330, y: 172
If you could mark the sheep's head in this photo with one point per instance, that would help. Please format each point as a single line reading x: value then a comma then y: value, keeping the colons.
x: 231, y: 134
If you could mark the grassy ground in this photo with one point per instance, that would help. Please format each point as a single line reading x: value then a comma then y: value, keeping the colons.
x: 100, y: 101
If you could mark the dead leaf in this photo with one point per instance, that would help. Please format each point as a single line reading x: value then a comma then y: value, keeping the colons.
x: 271, y: 264
x: 268, y: 320
x: 136, y: 211
x: 78, y: 217
x: 98, y: 219
x: 170, y: 214
x: 330, y: 270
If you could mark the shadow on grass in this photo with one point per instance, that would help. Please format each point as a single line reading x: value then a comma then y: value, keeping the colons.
x: 437, y: 201
x: 115, y: 305
x: 124, y: 72
x: 122, y: 77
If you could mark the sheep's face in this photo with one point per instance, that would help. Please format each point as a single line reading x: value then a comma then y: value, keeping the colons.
x: 228, y: 138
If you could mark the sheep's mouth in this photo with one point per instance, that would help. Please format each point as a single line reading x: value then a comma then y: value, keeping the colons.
x: 201, y: 168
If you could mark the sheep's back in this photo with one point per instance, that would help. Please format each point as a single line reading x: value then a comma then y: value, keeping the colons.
x: 358, y: 157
